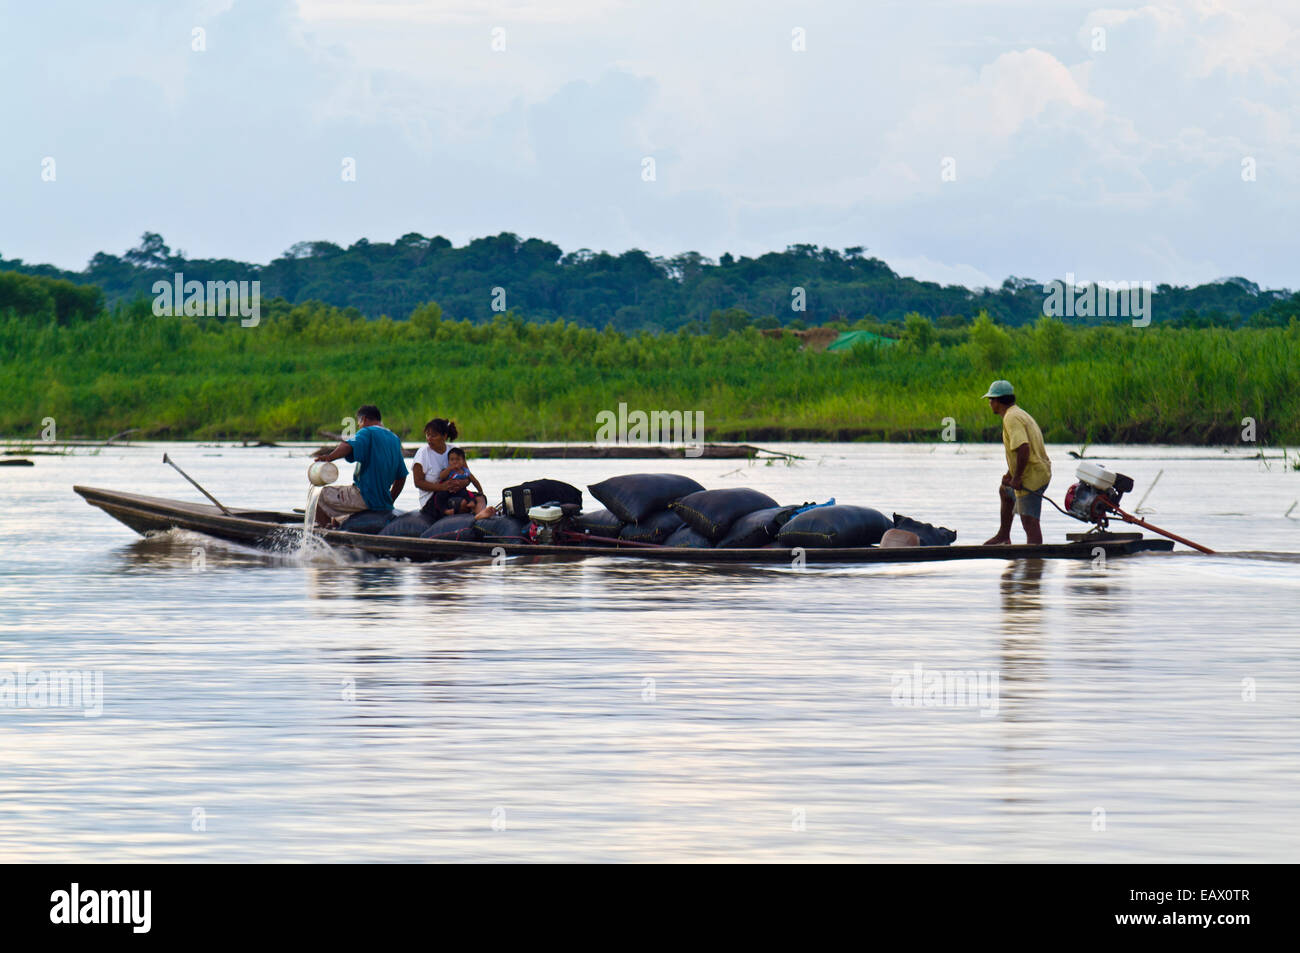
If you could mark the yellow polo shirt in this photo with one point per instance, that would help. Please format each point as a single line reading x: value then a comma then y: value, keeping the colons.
x: 1018, y: 428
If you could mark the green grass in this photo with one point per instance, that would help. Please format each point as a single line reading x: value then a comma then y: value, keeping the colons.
x: 307, y: 367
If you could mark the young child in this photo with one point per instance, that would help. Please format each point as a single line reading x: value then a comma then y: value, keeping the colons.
x: 450, y: 503
x: 430, y: 460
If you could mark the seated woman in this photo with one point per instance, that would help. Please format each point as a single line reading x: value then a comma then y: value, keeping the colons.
x: 431, y: 463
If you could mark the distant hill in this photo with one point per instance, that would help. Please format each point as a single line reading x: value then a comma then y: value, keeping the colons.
x: 631, y: 291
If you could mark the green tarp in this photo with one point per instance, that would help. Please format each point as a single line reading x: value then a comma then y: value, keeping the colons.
x: 850, y: 338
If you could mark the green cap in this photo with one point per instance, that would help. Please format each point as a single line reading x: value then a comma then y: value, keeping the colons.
x: 1001, y: 389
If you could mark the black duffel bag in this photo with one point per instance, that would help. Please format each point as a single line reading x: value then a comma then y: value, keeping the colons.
x: 756, y: 529
x: 711, y: 512
x: 634, y: 496
x: 835, y: 527
x: 518, y: 500
x: 599, y: 523
x: 685, y: 536
x: 928, y: 534
x: 655, y: 528
x: 461, y: 526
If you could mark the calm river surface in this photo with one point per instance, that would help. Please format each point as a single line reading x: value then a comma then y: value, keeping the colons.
x: 285, y: 708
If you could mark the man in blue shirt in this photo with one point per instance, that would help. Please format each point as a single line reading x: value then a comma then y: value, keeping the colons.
x: 379, y: 476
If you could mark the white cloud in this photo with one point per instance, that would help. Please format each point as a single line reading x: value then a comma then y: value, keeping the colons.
x: 1067, y: 158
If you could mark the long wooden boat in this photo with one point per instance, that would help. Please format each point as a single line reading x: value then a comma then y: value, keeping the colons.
x: 279, y: 530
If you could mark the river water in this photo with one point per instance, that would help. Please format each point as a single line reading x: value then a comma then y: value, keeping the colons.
x: 306, y: 706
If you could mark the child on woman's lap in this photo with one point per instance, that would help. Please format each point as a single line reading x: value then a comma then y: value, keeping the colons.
x: 452, y: 503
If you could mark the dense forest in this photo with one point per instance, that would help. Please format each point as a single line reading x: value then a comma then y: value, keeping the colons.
x: 99, y: 371
x: 630, y: 292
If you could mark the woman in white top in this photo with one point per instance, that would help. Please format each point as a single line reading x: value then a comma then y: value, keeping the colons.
x: 431, y: 460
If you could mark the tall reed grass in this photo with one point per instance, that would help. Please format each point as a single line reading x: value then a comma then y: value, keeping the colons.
x: 306, y: 367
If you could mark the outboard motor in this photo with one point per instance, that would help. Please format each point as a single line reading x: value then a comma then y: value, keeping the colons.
x: 545, y: 521
x: 1098, y: 490
x: 548, y: 519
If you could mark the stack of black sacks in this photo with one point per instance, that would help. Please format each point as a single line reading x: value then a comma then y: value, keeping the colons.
x: 666, y: 509
x: 672, y: 510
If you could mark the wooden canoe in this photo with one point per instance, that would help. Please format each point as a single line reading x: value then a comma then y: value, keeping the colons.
x: 280, y: 530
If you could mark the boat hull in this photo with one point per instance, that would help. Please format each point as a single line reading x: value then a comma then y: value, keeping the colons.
x: 268, y: 529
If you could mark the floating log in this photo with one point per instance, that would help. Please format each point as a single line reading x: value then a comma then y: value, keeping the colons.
x: 17, y: 463
x: 709, y: 451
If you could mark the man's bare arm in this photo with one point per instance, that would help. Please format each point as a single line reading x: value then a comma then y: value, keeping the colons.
x: 338, y: 453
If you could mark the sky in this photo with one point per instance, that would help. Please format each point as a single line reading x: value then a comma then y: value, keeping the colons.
x: 961, y: 142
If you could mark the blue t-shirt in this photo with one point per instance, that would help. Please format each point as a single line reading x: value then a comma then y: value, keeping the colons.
x: 378, y: 455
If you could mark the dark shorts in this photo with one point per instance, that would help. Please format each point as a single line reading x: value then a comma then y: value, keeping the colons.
x: 1028, y: 504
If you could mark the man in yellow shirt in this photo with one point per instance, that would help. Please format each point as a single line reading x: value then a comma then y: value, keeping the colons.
x: 1028, y: 469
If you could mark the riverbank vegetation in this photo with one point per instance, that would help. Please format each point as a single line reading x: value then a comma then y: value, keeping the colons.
x: 305, y: 367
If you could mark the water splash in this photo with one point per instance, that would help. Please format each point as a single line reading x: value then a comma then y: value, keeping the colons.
x: 311, y: 549
x: 309, y: 515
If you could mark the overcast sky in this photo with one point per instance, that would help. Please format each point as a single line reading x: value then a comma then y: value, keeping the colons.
x: 1117, y: 154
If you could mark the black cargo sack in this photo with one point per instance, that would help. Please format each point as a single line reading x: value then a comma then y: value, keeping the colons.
x: 634, y: 496
x: 518, y: 500
x: 367, y: 521
x: 711, y: 512
x: 408, y: 524
x: 928, y: 534
x: 461, y: 526
x: 756, y: 529
x: 655, y: 528
x: 835, y: 526
x: 685, y: 536
x: 508, y: 529
x: 599, y: 523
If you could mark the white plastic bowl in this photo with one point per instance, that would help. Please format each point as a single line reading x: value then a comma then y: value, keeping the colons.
x: 322, y: 473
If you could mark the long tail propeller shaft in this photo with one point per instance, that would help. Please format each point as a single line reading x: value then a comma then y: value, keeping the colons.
x: 1138, y: 521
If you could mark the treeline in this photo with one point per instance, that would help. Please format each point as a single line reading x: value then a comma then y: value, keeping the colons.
x: 306, y: 366
x: 43, y: 300
x: 632, y: 291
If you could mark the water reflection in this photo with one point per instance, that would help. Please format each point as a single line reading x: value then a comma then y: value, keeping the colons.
x: 1022, y: 646
x: 1099, y: 592
x: 1021, y: 590
x: 371, y: 590
x: 179, y: 549
x: 1096, y: 583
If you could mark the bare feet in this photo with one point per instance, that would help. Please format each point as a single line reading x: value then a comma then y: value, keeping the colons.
x: 998, y: 541
x: 486, y: 512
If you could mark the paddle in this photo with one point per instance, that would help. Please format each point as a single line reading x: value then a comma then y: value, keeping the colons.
x: 168, y: 460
